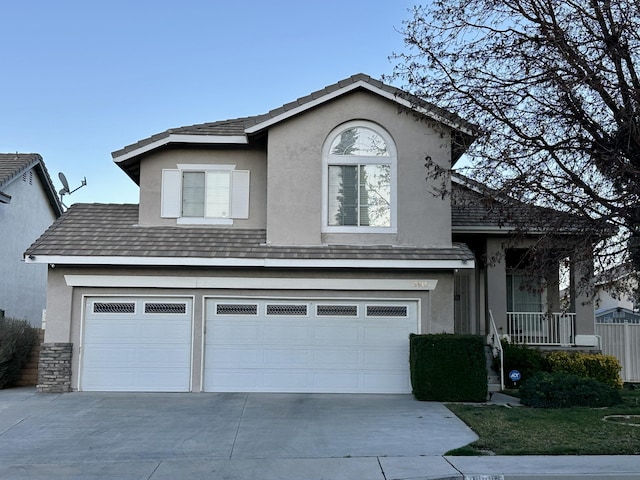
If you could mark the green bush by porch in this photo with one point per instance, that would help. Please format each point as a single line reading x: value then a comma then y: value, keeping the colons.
x: 446, y: 367
x: 604, y: 368
x: 563, y: 390
x: 530, y: 360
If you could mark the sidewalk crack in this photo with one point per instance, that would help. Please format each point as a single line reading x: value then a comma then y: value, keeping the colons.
x: 235, y: 439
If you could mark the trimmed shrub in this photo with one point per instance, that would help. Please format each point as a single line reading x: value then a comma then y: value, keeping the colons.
x: 448, y: 368
x: 561, y: 390
x: 16, y: 341
x: 528, y: 361
x: 603, y: 368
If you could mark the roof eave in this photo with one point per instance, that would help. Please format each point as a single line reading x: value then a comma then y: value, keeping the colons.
x: 180, y: 138
x: 360, y: 84
x: 444, y: 264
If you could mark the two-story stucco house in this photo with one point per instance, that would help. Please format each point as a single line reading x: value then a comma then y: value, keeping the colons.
x: 288, y: 252
x: 28, y: 205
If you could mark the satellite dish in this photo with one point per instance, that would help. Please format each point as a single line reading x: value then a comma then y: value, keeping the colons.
x: 65, y: 184
x: 65, y: 187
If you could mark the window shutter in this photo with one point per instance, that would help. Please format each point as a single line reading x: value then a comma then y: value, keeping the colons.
x: 170, y: 196
x: 240, y: 194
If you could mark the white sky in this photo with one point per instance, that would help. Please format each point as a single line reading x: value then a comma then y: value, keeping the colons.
x: 81, y: 79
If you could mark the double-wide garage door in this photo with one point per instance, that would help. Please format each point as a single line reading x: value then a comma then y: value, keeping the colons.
x: 308, y: 346
x: 250, y: 345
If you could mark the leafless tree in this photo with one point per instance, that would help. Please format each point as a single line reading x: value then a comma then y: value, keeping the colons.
x: 554, y: 88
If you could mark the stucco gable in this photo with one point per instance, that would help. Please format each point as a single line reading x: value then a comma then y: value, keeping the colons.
x: 13, y: 165
x: 241, y: 130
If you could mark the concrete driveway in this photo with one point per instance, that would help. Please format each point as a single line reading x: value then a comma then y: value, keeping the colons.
x: 233, y: 435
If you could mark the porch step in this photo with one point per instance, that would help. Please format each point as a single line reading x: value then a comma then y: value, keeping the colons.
x: 493, y: 378
x: 493, y: 383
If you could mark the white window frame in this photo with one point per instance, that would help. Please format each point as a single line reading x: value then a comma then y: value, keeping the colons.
x: 355, y: 160
x: 171, y: 196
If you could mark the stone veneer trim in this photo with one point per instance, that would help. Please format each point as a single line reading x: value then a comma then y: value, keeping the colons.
x: 54, y: 368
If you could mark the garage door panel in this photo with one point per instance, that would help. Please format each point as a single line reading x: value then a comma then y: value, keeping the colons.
x: 286, y: 358
x: 140, y: 355
x: 234, y: 380
x: 345, y: 381
x: 387, y: 383
x: 284, y: 381
x: 382, y: 335
x: 137, y: 351
x: 337, y: 358
x: 236, y: 333
x: 383, y: 358
x: 313, y: 353
x: 326, y: 335
x: 288, y: 334
x: 227, y: 357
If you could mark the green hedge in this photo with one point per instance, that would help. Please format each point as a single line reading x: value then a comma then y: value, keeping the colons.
x: 448, y: 368
x: 16, y: 340
x: 561, y: 390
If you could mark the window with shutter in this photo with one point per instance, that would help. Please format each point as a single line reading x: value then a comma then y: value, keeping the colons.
x: 205, y: 194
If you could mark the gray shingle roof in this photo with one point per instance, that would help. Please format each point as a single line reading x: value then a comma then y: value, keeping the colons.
x: 99, y: 230
x: 475, y: 206
x: 12, y: 165
x: 239, y: 126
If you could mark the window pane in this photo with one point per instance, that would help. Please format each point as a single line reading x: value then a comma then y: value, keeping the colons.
x: 193, y: 194
x: 522, y: 295
x: 343, y: 195
x: 218, y: 191
x: 359, y: 141
x: 375, y: 195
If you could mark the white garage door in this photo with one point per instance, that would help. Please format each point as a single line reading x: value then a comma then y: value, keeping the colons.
x: 308, y: 346
x: 136, y: 344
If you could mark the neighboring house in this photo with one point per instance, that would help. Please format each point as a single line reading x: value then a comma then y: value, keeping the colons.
x: 28, y: 205
x: 288, y: 252
x: 618, y: 319
x: 615, y: 297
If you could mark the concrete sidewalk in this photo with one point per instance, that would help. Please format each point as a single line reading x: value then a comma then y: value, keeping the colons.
x: 147, y: 436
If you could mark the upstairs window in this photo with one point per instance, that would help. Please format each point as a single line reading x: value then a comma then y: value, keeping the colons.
x: 359, y: 179
x: 205, y: 194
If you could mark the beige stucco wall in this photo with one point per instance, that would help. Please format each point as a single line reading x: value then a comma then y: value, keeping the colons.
x: 243, y: 158
x: 65, y: 313
x: 496, y: 279
x: 294, y: 203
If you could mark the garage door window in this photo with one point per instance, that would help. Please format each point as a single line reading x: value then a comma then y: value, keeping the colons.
x: 287, y: 310
x: 168, y: 308
x: 337, y: 310
x: 386, y: 311
x: 236, y: 309
x: 114, y: 307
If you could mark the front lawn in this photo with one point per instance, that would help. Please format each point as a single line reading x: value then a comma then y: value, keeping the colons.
x: 567, y: 431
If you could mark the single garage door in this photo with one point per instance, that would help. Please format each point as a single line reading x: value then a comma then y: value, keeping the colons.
x: 137, y: 344
x: 308, y: 346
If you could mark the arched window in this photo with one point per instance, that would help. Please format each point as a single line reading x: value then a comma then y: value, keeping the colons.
x: 359, y: 179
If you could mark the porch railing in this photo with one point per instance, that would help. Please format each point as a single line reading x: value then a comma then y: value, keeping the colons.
x: 496, y: 346
x: 535, y: 328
